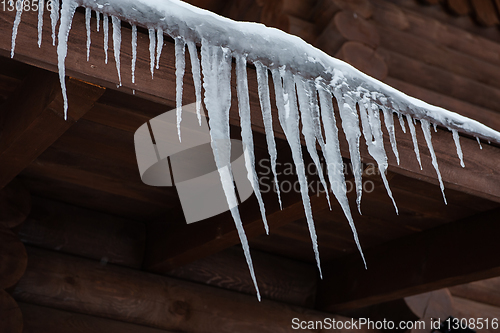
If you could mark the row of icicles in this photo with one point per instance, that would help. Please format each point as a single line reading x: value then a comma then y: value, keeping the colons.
x: 297, y: 99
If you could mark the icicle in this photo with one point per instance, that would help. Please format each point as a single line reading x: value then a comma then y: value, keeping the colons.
x: 456, y: 138
x: 67, y: 13
x: 117, y: 40
x: 54, y: 17
x: 246, y: 132
x: 105, y: 27
x: 389, y: 125
x: 180, y: 65
x: 306, y: 105
x: 479, y: 143
x: 15, y: 27
x: 152, y: 46
x: 134, y: 50
x: 41, y: 7
x: 350, y: 125
x: 372, y: 131
x: 409, y: 120
x: 426, y: 128
x: 88, y: 16
x: 216, y: 66
x: 98, y: 20
x: 195, y: 69
x: 402, y: 122
x: 334, y: 160
x: 289, y: 119
x: 435, y: 127
x: 265, y: 105
x: 159, y: 46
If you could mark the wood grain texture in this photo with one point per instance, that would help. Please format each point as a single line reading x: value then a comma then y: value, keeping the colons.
x: 15, y: 204
x: 32, y: 124
x: 364, y: 58
x: 69, y: 229
x: 485, y: 291
x: 467, y: 309
x: 459, y: 7
x: 39, y: 319
x: 13, y: 258
x: 444, y: 256
x: 11, y: 318
x: 87, y: 287
x: 485, y: 12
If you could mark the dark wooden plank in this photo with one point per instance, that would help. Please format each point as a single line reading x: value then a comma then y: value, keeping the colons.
x: 82, y: 232
x: 459, y: 7
x: 485, y: 12
x: 15, y: 204
x: 452, y: 254
x: 11, y: 318
x: 30, y: 125
x: 40, y: 319
x: 84, y: 286
x: 485, y: 291
x: 364, y: 58
x: 13, y: 258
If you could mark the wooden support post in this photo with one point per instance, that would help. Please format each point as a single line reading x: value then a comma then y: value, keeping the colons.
x: 87, y: 287
x: 33, y: 119
x: 451, y: 254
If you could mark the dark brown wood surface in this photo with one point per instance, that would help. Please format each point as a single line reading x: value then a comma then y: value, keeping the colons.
x: 15, y: 204
x: 11, y: 318
x: 445, y: 256
x: 13, y: 258
x: 87, y: 287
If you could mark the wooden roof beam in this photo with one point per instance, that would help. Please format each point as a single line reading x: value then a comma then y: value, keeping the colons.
x: 452, y: 254
x: 32, y: 118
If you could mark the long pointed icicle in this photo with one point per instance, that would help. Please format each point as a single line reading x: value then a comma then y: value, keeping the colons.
x: 180, y: 66
x: 67, y: 13
x: 460, y: 154
x: 350, y: 125
x: 289, y: 119
x: 15, y: 27
x: 216, y: 66
x: 389, y: 125
x: 54, y: 18
x: 246, y: 132
x: 426, y: 128
x: 195, y: 69
x: 411, y: 126
x: 305, y: 106
x: 98, y: 20
x: 159, y: 46
x: 88, y: 16
x: 152, y: 50
x: 105, y: 28
x: 334, y: 161
x: 41, y: 8
x: 402, y: 122
x: 134, y: 50
x: 265, y: 105
x: 372, y: 131
x: 117, y: 40
x: 479, y: 143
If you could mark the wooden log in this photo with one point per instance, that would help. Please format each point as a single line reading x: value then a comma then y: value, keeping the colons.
x: 347, y: 26
x: 471, y: 310
x: 459, y: 7
x: 441, y: 30
x: 364, y: 58
x: 27, y: 118
x: 11, y: 318
x: 15, y: 204
x: 323, y: 12
x: 83, y: 286
x: 302, y: 28
x: 61, y: 227
x: 364, y: 8
x: 390, y: 14
x: 485, y: 12
x: 433, y: 78
x: 472, y: 111
x: 448, y: 255
x: 434, y: 54
x: 13, y: 258
x: 485, y: 291
x: 40, y: 319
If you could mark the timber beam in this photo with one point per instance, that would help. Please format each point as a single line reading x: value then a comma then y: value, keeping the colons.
x: 451, y: 254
